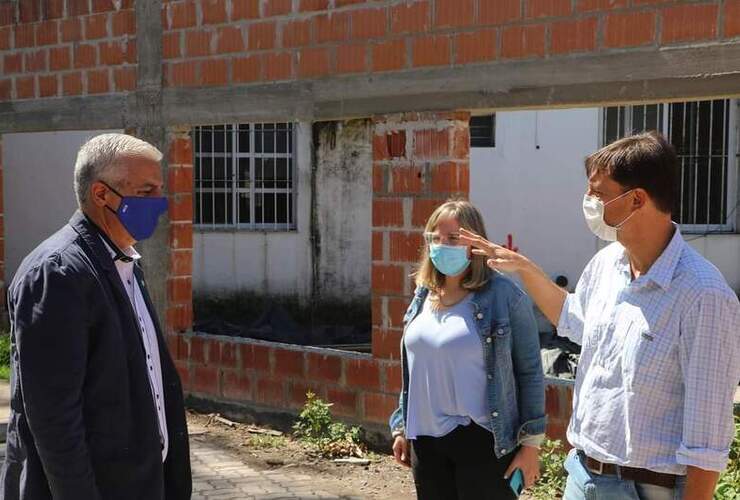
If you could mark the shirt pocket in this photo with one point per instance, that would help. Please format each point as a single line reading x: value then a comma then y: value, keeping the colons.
x: 649, y: 355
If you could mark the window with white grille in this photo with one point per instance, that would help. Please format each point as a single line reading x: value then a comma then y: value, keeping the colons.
x: 703, y: 133
x: 245, y: 176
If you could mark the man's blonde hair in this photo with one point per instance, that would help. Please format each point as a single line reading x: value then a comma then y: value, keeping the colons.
x: 469, y: 218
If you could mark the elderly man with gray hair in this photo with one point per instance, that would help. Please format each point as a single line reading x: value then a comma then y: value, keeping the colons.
x: 96, y: 403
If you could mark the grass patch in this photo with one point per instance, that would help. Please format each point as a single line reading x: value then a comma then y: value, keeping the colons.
x: 267, y: 442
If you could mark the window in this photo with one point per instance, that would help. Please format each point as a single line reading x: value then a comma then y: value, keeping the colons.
x: 483, y: 131
x: 245, y: 176
x: 703, y: 134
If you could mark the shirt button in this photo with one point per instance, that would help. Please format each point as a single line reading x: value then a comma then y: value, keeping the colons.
x: 500, y: 331
x: 488, y: 339
x: 503, y: 451
x: 479, y: 316
x: 490, y: 377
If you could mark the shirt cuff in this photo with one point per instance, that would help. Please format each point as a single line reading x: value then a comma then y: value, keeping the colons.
x: 533, y: 441
x: 562, y: 326
x: 703, y: 458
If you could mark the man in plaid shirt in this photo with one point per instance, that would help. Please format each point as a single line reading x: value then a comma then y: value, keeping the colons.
x: 660, y: 334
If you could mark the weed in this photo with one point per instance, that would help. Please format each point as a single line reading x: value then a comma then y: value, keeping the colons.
x: 316, y: 427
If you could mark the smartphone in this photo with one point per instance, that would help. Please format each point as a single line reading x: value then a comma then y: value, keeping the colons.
x: 516, y: 482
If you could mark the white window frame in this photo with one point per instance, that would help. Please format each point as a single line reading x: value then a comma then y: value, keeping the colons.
x: 236, y: 189
x: 732, y: 162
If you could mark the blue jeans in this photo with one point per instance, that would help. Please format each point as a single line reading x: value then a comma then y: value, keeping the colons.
x: 584, y: 485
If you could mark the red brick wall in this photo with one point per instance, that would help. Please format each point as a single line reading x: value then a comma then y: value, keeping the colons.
x: 217, y: 42
x: 276, y: 375
x: 54, y: 48
x: 179, y: 314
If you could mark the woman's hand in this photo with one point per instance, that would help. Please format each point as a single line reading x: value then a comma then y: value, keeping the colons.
x: 527, y: 459
x: 498, y: 257
x: 401, y: 451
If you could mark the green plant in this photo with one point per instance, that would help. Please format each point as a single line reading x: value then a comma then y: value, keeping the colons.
x: 316, y: 426
x: 552, y: 480
x: 728, y: 486
x: 4, y: 356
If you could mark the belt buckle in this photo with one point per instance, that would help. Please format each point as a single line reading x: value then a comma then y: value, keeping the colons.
x: 600, y: 470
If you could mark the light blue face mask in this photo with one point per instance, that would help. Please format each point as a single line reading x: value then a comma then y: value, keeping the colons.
x: 449, y: 260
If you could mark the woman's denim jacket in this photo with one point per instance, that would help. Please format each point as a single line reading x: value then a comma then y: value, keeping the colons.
x: 515, y: 392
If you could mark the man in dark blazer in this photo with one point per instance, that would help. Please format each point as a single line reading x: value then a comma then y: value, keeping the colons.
x: 97, y: 409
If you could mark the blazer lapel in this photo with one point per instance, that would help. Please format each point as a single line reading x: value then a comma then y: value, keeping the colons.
x: 91, y: 235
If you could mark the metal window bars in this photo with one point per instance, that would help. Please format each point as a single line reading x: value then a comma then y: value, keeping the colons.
x: 703, y: 134
x: 245, y: 176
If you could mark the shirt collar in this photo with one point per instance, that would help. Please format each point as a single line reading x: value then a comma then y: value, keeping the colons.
x: 125, y: 255
x: 662, y: 271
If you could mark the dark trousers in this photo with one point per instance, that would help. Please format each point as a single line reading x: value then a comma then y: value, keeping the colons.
x: 460, y: 466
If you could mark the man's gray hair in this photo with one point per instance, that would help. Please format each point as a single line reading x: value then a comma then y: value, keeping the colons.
x: 99, y: 157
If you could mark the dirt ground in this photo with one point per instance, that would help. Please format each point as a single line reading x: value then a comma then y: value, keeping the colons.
x: 259, y: 448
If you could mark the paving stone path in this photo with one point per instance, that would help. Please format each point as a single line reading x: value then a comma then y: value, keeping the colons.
x: 218, y: 474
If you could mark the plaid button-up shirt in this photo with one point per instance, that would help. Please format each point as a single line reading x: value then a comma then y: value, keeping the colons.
x: 660, y: 361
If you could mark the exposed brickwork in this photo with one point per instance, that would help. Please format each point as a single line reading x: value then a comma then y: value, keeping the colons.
x: 224, y: 42
x: 43, y: 43
x: 361, y: 387
x: 558, y: 406
x: 179, y: 278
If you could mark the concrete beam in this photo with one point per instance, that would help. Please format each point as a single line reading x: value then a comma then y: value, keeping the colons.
x: 586, y: 80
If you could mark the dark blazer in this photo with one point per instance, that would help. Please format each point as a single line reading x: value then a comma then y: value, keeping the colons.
x: 83, y: 424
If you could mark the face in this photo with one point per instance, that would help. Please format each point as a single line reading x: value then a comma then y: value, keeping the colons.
x: 446, y: 233
x: 139, y: 177
x: 603, y: 187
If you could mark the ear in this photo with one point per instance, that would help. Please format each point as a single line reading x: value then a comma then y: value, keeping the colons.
x: 639, y: 198
x: 98, y: 191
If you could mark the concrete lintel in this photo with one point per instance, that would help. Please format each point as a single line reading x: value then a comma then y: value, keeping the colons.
x: 586, y: 80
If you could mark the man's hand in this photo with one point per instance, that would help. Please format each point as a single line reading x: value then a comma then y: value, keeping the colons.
x: 527, y: 459
x: 498, y: 257
x: 547, y: 295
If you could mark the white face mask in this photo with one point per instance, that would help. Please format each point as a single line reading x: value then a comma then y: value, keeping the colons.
x: 593, y: 210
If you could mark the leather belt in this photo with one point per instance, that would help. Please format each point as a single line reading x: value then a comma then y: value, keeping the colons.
x: 644, y: 476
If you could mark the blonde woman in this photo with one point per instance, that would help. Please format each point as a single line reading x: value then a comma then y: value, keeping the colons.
x: 472, y: 405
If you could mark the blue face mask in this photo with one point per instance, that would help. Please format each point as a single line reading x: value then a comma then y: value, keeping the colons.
x: 449, y: 260
x: 139, y: 214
